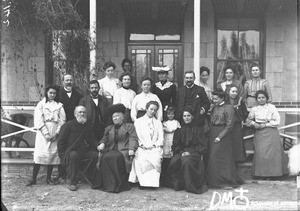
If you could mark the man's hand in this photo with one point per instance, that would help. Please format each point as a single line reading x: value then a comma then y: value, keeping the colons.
x: 101, y: 147
x: 130, y: 152
x: 217, y: 140
x: 185, y: 154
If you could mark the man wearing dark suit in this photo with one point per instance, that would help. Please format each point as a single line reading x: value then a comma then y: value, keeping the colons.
x: 194, y: 96
x: 96, y: 106
x: 70, y: 98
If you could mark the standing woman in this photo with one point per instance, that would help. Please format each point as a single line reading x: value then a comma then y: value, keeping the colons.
x: 146, y: 166
x: 221, y: 170
x: 240, y: 115
x: 125, y: 96
x: 109, y: 84
x: 138, y: 108
x: 269, y: 158
x: 164, y: 89
x: 186, y: 169
x: 49, y: 116
x: 255, y: 84
x: 229, y: 78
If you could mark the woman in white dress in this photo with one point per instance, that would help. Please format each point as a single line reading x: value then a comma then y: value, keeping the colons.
x: 125, y: 96
x: 138, y: 108
x: 49, y: 116
x: 146, y: 166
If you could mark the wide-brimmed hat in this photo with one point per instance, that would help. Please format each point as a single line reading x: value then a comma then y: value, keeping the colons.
x: 117, y: 108
x: 161, y: 69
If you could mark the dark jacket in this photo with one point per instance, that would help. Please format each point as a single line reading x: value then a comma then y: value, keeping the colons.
x: 88, y: 102
x: 127, y: 140
x: 75, y: 137
x: 69, y: 102
x: 200, y: 100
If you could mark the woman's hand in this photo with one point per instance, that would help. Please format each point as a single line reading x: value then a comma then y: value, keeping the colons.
x: 185, y: 154
x: 262, y: 126
x: 256, y: 126
x: 48, y: 137
x: 217, y: 140
x: 101, y: 147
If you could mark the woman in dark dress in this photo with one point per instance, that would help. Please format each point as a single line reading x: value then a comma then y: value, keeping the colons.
x: 186, y: 169
x: 221, y: 170
x: 119, y: 143
x: 164, y: 89
x: 240, y: 115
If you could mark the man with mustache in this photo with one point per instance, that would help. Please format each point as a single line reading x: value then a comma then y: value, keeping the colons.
x: 194, y: 96
x: 96, y: 106
x: 77, y: 142
x: 70, y: 98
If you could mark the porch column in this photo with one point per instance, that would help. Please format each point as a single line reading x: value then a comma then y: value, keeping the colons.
x: 93, y: 16
x: 197, y: 9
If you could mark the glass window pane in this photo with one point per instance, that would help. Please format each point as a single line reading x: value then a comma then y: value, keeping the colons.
x: 170, y: 59
x: 141, y: 37
x: 227, y: 44
x: 142, y: 64
x: 249, y: 44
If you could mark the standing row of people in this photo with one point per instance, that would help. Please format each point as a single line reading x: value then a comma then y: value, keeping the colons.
x: 142, y: 152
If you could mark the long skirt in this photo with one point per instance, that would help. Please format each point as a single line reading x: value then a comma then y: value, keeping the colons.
x: 146, y: 167
x: 221, y: 170
x: 238, y: 146
x: 114, y: 177
x: 187, y: 173
x: 269, y: 158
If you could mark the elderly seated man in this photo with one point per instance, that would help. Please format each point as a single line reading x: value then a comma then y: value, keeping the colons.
x: 76, y: 142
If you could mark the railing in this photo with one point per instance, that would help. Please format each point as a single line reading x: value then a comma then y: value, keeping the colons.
x: 33, y: 129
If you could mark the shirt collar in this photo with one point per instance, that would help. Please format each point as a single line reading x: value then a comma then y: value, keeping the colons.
x: 190, y: 86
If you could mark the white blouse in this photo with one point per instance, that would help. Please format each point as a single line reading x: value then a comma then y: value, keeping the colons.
x: 124, y: 96
x: 109, y: 85
x: 139, y: 103
x: 266, y: 114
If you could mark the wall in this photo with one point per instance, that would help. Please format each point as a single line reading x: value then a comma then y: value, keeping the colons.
x: 111, y: 40
x: 206, y: 36
x: 281, y: 50
x: 22, y: 66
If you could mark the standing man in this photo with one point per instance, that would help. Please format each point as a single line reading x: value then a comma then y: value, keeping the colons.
x: 96, y: 106
x: 77, y: 142
x: 70, y: 98
x: 127, y: 68
x: 194, y: 96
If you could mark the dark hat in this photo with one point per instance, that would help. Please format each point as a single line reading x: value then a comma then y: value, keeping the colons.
x: 117, y: 108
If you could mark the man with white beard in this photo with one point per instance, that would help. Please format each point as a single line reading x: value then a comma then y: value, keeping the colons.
x: 77, y: 142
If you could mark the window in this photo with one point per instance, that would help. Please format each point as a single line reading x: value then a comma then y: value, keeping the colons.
x: 238, y: 45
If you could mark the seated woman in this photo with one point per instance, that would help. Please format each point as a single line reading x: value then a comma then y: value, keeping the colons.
x: 146, y: 166
x: 118, y: 143
x: 269, y: 158
x: 186, y: 170
x: 221, y: 170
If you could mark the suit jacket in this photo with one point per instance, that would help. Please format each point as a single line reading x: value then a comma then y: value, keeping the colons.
x: 69, y: 102
x: 127, y: 140
x: 88, y: 102
x: 200, y: 100
x: 72, y: 137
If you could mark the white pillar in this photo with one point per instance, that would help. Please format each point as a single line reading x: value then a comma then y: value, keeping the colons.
x: 93, y: 16
x: 197, y: 9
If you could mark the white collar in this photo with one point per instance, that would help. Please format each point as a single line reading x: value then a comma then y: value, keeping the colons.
x: 190, y: 86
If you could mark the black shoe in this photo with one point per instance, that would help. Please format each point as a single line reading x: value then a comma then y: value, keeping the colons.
x: 50, y: 182
x: 31, y: 182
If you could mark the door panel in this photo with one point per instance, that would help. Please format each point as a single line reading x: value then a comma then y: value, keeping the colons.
x: 144, y: 57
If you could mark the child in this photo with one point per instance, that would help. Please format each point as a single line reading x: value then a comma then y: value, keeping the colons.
x: 169, y: 128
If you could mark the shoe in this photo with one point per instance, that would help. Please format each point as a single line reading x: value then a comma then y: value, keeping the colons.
x: 50, y: 182
x: 72, y: 187
x: 31, y: 182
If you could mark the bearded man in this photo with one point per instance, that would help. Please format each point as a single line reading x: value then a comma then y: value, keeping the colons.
x: 76, y: 142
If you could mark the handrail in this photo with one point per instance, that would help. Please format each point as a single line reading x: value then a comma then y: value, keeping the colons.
x: 281, y: 134
x: 32, y: 129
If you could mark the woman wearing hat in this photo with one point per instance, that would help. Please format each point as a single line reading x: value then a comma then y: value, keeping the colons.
x: 164, y: 89
x: 119, y: 143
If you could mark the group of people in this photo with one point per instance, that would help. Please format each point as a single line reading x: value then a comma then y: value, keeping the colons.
x: 189, y: 138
